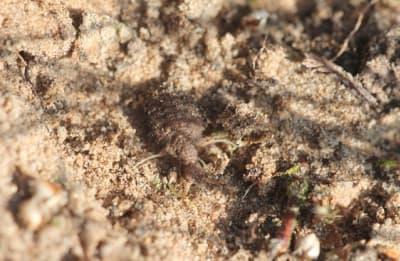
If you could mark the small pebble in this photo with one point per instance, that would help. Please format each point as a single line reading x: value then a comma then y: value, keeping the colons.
x: 308, y: 246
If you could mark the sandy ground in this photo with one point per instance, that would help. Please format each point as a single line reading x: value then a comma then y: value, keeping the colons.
x: 300, y: 153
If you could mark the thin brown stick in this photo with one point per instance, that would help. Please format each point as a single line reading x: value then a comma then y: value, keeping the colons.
x: 356, y: 27
x: 327, y: 66
x: 281, y: 243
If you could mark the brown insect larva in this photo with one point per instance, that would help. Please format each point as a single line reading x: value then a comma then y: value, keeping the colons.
x: 176, y: 125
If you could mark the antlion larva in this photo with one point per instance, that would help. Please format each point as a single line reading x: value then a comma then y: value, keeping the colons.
x: 176, y: 124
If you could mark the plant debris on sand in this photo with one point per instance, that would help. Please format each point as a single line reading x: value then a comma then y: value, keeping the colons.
x: 286, y: 114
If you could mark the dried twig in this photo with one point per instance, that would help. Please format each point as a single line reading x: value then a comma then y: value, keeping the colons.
x: 313, y: 61
x: 357, y: 26
x: 281, y: 244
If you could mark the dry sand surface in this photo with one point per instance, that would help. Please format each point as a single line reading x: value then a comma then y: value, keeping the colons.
x: 199, y: 130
